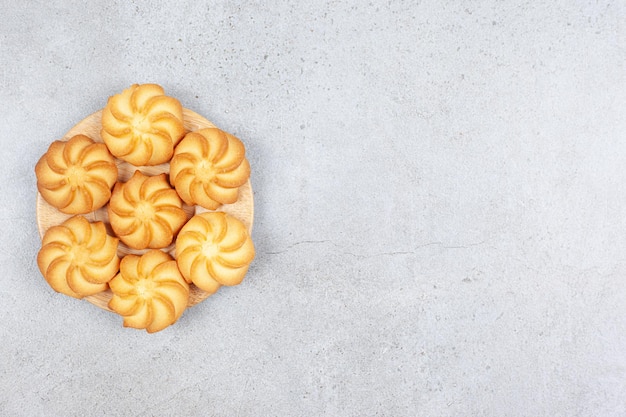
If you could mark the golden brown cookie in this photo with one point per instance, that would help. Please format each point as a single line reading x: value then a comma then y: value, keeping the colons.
x: 149, y: 291
x: 146, y: 212
x: 141, y: 125
x: 76, y: 176
x: 214, y: 249
x: 208, y: 167
x: 78, y: 258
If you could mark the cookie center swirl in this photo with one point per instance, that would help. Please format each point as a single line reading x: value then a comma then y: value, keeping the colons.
x: 75, y: 176
x: 144, y: 287
x: 210, y: 249
x: 145, y: 211
x: 205, y: 171
x: 141, y: 123
x: 79, y: 255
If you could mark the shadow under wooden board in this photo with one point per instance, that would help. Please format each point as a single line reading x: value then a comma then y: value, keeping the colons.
x: 48, y: 216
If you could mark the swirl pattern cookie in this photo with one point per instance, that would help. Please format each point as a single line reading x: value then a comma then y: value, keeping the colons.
x: 146, y: 212
x: 76, y: 176
x: 208, y: 167
x: 78, y: 258
x: 214, y: 249
x: 149, y: 291
x: 141, y: 125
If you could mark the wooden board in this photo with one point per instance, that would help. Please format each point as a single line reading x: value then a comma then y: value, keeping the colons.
x: 48, y: 216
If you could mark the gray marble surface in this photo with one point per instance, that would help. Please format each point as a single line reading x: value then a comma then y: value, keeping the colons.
x: 440, y: 208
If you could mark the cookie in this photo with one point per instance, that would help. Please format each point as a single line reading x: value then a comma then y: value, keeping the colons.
x: 76, y: 176
x: 78, y: 258
x: 141, y: 125
x: 208, y: 167
x: 149, y: 291
x: 146, y: 212
x: 214, y: 249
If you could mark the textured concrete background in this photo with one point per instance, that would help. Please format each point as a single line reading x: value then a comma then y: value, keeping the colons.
x: 440, y: 208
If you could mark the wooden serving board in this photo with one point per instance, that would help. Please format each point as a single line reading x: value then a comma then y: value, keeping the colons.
x: 48, y: 216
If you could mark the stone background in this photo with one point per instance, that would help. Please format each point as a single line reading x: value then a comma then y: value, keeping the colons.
x: 440, y: 208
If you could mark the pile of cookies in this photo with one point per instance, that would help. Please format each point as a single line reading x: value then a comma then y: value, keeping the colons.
x: 207, y: 167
